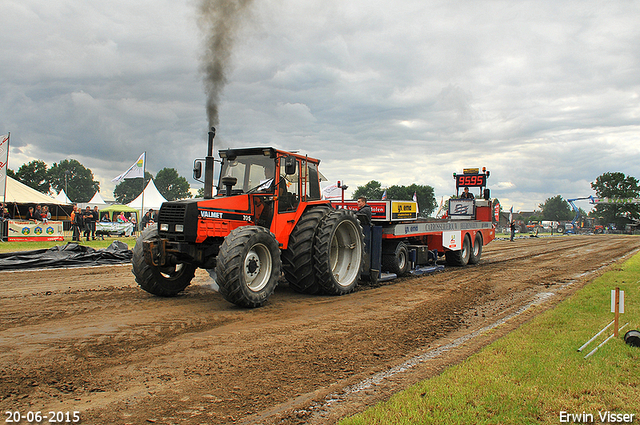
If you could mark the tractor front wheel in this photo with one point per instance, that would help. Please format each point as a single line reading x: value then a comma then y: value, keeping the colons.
x: 248, y: 266
x: 165, y: 281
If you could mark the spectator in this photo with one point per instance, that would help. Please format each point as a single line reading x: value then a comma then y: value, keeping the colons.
x: 96, y: 217
x: 133, y: 221
x: 105, y: 218
x: 364, y: 211
x: 30, y: 216
x: 37, y: 214
x: 146, y: 220
x: 122, y: 218
x: 87, y: 217
x: 46, y: 215
x: 513, y: 230
x: 78, y: 223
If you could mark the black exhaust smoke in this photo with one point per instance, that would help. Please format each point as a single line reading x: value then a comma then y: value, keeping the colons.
x: 219, y: 21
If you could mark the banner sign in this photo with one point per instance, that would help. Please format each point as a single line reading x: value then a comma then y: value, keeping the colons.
x: 461, y: 208
x: 30, y: 231
x: 384, y: 210
x: 110, y: 227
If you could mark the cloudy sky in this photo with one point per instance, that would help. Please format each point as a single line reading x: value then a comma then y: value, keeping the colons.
x: 545, y: 94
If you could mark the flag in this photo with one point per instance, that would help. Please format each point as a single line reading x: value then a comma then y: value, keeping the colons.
x: 511, y: 215
x: 4, y: 159
x: 384, y: 195
x: 332, y: 192
x: 135, y: 171
x: 415, y: 197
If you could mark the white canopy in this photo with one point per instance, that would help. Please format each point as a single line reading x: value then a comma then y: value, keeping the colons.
x: 62, y: 197
x: 97, y: 200
x: 152, y: 198
x: 20, y: 193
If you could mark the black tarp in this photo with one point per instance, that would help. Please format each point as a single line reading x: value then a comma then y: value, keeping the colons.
x: 69, y: 255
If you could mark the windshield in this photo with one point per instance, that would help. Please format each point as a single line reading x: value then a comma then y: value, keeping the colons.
x: 253, y: 172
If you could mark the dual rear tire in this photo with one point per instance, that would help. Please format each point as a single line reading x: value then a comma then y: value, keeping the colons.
x: 338, y: 252
x: 325, y: 252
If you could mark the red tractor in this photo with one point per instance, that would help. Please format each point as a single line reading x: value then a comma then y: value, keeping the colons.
x: 266, y: 218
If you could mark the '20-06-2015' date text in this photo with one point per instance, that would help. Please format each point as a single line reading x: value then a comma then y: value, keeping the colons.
x: 50, y: 417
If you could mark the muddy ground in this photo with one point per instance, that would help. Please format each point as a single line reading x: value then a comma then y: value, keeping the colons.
x: 90, y: 340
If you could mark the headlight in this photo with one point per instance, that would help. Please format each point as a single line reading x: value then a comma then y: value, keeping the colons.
x: 179, y: 227
x: 164, y: 227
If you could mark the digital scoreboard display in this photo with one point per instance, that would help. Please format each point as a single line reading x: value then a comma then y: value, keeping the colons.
x: 471, y: 180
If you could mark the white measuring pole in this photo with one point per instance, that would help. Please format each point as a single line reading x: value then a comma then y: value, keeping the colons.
x: 595, y: 336
x: 604, y: 342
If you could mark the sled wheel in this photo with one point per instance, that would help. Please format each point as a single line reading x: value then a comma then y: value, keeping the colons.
x: 248, y: 266
x: 476, y: 251
x: 165, y: 281
x: 461, y: 257
x: 395, y: 258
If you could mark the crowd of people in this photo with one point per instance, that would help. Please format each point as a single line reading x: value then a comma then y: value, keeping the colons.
x: 83, y: 221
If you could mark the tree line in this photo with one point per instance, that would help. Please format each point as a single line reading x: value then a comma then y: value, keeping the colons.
x: 79, y: 184
x: 614, y: 185
x: 608, y: 185
x: 424, y: 194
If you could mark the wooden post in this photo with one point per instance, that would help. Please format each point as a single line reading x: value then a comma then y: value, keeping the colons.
x: 617, y: 313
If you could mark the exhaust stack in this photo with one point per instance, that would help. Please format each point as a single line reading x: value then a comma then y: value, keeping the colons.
x: 208, y: 166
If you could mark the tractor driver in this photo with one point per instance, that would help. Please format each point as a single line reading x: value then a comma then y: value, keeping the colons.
x: 268, y: 184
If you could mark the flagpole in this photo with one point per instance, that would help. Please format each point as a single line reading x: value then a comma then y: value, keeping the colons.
x: 4, y: 191
x: 144, y: 167
x: 6, y: 166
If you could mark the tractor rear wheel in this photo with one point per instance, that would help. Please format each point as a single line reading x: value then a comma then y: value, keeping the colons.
x: 297, y: 259
x: 460, y: 257
x: 165, y: 281
x: 395, y: 258
x: 248, y: 266
x: 476, y: 251
x: 338, y: 252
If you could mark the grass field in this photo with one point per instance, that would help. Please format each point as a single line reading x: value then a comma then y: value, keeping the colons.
x: 536, y: 372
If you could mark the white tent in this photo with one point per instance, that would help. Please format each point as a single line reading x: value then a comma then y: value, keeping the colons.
x: 97, y: 200
x: 62, y: 197
x: 20, y: 193
x: 152, y: 198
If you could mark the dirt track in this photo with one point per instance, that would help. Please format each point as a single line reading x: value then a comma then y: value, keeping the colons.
x: 89, y: 340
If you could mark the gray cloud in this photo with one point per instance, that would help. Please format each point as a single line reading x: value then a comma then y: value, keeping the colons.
x: 542, y: 93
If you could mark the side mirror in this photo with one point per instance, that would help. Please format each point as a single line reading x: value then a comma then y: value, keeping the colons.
x: 197, y: 169
x: 290, y: 164
x: 487, y: 194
